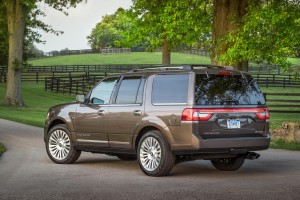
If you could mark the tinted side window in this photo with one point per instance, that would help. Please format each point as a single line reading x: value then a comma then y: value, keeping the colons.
x: 131, y: 90
x: 227, y: 90
x: 170, y: 89
x: 102, y: 92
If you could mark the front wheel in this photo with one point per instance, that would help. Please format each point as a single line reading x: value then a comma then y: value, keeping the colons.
x: 59, y: 146
x: 154, y: 155
x: 228, y: 164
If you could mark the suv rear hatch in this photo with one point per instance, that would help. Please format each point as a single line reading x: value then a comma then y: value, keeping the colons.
x: 227, y: 104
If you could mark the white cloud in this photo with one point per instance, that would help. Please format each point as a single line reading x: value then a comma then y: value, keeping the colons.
x: 78, y: 24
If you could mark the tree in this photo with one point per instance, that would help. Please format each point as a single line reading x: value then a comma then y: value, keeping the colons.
x: 109, y: 32
x: 3, y: 35
x: 169, y: 24
x: 269, y: 32
x: 17, y: 12
x: 227, y: 15
x: 104, y: 34
x: 239, y: 30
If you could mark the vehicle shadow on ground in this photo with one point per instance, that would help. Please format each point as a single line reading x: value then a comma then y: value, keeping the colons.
x: 199, y: 168
x: 192, y: 168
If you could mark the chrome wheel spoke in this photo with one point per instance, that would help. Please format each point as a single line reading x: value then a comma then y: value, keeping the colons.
x: 59, y: 144
x: 150, y: 154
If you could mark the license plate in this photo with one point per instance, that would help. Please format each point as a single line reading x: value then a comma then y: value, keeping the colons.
x: 233, y: 123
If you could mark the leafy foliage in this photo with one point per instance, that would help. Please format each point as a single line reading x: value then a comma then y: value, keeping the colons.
x: 179, y: 22
x: 109, y: 32
x: 2, y: 149
x: 269, y: 33
x: 32, y: 24
x: 3, y: 35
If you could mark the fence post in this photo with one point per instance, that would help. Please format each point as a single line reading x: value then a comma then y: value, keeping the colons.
x: 267, y: 82
x: 51, y: 87
x: 57, y: 85
x: 46, y: 82
x: 37, y: 77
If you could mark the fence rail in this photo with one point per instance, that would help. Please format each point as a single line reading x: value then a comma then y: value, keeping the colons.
x: 39, y: 73
x: 73, y: 84
x: 275, y: 80
x: 277, y: 104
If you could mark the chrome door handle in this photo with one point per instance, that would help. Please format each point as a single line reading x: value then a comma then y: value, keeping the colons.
x: 101, y: 112
x: 137, y: 113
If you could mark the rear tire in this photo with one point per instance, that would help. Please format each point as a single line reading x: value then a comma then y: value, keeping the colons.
x: 228, y: 164
x: 154, y: 155
x: 59, y: 145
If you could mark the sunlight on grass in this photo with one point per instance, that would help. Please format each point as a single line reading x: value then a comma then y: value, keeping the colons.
x: 130, y: 58
x: 2, y: 149
x: 37, y: 103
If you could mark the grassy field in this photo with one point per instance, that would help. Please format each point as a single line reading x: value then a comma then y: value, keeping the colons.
x: 2, y: 149
x: 130, y: 58
x: 37, y: 104
x: 281, y: 144
x: 278, y: 118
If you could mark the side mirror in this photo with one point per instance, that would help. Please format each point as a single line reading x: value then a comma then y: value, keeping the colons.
x: 80, y: 98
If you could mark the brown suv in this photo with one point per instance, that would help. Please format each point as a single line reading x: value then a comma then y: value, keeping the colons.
x: 164, y: 116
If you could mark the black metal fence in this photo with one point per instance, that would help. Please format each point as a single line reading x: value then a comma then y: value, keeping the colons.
x: 278, y: 103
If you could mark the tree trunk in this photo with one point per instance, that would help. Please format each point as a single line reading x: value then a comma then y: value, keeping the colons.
x: 16, y: 17
x: 226, y: 16
x: 166, y: 53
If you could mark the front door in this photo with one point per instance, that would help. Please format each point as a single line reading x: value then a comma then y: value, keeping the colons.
x: 91, y: 116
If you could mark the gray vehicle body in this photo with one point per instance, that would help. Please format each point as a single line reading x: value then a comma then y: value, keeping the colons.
x: 116, y: 128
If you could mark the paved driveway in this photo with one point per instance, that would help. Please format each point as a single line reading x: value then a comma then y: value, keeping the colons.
x: 27, y: 173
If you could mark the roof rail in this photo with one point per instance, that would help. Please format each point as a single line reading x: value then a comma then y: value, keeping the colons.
x: 179, y: 67
x: 183, y: 67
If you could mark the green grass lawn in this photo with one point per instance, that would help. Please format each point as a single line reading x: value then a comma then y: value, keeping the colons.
x: 278, y: 118
x: 281, y: 144
x: 2, y: 149
x: 37, y: 103
x: 130, y: 58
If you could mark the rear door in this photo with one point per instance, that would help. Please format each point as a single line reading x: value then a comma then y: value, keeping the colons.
x: 126, y: 112
x: 229, y: 105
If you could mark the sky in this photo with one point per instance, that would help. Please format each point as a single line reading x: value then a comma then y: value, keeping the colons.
x: 77, y: 25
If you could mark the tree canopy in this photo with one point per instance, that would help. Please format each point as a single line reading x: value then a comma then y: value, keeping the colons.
x: 269, y: 32
x: 18, y: 12
x: 109, y: 32
x: 234, y: 31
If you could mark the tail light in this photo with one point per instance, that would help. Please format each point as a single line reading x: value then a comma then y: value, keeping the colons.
x: 192, y: 114
x: 264, y: 114
x: 198, y: 114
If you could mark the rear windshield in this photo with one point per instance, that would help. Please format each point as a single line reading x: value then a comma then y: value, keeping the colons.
x: 227, y: 90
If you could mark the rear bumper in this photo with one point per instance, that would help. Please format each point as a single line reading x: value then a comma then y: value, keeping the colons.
x: 229, y: 146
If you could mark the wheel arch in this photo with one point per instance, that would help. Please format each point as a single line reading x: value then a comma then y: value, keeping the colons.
x: 146, y: 129
x: 56, y: 122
